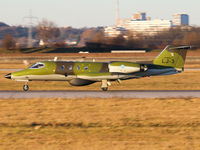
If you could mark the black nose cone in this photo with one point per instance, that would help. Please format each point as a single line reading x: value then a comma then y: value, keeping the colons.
x: 8, y: 76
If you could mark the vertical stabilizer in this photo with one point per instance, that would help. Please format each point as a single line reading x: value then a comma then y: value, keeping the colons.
x: 172, y: 57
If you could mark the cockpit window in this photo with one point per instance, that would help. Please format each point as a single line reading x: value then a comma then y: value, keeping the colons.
x: 37, y: 66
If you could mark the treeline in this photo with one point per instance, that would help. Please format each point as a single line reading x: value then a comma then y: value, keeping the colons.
x: 45, y: 30
x: 175, y: 36
x: 12, y: 37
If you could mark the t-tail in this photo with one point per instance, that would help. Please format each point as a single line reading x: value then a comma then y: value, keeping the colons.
x: 172, y: 57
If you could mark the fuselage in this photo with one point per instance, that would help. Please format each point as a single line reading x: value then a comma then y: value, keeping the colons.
x: 93, y: 71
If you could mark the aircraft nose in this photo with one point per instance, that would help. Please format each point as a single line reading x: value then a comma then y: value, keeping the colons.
x: 8, y: 76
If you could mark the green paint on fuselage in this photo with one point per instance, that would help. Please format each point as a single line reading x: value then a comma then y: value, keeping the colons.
x: 49, y: 68
x: 66, y: 68
x: 78, y: 68
x: 89, y: 67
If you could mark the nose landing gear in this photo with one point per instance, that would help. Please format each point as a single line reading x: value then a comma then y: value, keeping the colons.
x: 26, y: 87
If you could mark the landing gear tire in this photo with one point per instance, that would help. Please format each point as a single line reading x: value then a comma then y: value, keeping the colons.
x: 104, y: 89
x: 25, y: 87
x: 104, y: 85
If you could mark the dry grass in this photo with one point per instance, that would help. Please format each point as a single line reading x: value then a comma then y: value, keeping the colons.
x: 98, y: 124
x: 192, y: 65
x: 12, y: 66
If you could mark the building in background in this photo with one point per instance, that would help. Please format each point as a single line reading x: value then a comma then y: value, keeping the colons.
x: 114, y: 31
x: 71, y: 42
x: 180, y: 20
x: 140, y: 16
x: 147, y: 27
x: 140, y: 24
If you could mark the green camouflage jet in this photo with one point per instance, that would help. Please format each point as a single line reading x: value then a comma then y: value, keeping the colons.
x: 170, y: 61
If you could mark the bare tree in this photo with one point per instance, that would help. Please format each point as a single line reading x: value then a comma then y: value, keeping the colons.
x: 8, y: 42
x: 192, y: 38
x: 47, y: 31
x: 98, y: 37
x: 119, y: 40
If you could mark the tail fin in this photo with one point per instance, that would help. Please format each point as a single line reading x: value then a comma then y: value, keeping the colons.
x: 172, y: 57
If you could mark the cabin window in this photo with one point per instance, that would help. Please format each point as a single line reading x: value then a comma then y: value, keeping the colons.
x: 86, y: 68
x: 70, y: 67
x: 63, y: 67
x: 37, y: 66
x: 78, y: 68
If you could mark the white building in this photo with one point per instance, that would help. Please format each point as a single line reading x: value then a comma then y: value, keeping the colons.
x: 148, y: 27
x: 140, y: 24
x: 42, y: 43
x: 71, y: 42
x: 180, y: 19
x: 114, y: 31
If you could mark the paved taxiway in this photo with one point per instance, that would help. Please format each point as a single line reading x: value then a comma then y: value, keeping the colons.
x: 99, y: 94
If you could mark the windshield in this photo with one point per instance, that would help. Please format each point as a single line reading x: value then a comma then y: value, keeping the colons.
x: 37, y: 66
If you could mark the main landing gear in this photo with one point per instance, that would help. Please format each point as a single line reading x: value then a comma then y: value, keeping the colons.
x: 104, y: 88
x: 104, y: 85
x: 26, y: 87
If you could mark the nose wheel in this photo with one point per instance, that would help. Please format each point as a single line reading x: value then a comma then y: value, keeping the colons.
x: 26, y: 87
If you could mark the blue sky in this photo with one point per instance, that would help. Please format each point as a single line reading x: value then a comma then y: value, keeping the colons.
x: 91, y: 13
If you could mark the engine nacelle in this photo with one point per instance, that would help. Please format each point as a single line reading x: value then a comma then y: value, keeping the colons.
x: 126, y: 67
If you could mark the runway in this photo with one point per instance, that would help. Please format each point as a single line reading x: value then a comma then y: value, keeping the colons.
x: 100, y: 94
